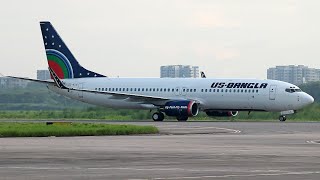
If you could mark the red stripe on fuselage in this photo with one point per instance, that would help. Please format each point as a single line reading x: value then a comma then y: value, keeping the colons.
x: 56, y: 68
x: 189, y: 108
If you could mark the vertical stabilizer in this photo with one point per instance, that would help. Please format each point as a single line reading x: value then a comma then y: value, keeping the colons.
x: 60, y: 58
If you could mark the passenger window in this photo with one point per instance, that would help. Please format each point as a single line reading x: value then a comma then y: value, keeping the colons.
x: 245, y: 91
x: 238, y: 90
x: 168, y: 89
x: 135, y: 89
x: 165, y: 90
x: 160, y: 89
x: 154, y: 89
x: 205, y: 90
x: 221, y: 90
x: 190, y: 90
x: 194, y: 90
x: 217, y: 90
x: 201, y: 90
x: 209, y: 90
x: 214, y: 90
x: 242, y: 90
x: 187, y: 90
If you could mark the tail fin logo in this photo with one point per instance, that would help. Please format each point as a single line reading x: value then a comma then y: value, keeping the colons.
x: 60, y: 58
x: 60, y: 64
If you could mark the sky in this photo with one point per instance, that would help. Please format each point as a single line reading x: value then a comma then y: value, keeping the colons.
x: 133, y: 38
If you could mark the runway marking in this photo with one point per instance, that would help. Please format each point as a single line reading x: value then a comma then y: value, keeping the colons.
x: 200, y: 128
x: 93, y: 168
x: 134, y: 169
x: 139, y: 169
x: 243, y: 175
x: 314, y: 142
x: 233, y: 130
x: 271, y: 172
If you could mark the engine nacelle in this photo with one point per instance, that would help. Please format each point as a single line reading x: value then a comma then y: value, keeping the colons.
x: 222, y: 113
x: 181, y: 108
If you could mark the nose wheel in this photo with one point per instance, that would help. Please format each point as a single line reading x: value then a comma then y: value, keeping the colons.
x: 158, y: 116
x: 282, y: 118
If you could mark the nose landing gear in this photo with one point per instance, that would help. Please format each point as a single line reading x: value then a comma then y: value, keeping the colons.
x: 282, y: 118
x: 283, y: 114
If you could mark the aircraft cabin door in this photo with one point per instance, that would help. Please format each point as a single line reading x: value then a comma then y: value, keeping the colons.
x: 272, y: 92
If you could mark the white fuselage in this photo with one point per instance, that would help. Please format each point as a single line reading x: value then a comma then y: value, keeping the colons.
x: 258, y: 95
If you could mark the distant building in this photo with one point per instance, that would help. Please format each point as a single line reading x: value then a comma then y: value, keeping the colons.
x: 179, y: 71
x: 43, y: 75
x: 294, y: 74
x: 6, y: 82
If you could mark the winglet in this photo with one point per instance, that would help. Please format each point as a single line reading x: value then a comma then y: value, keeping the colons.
x: 56, y: 79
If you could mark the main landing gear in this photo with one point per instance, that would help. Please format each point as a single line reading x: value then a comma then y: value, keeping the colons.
x: 282, y: 118
x: 158, y: 116
x: 182, y: 118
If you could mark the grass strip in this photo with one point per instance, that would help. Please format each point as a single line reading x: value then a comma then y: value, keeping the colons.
x: 8, y: 129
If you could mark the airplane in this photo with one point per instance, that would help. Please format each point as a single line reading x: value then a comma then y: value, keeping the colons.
x: 203, y: 75
x: 175, y: 97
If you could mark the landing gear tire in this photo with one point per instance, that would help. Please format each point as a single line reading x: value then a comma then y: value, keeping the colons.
x: 282, y: 118
x: 182, y: 118
x: 158, y: 116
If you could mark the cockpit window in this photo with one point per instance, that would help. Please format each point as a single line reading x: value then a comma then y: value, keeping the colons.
x: 292, y: 90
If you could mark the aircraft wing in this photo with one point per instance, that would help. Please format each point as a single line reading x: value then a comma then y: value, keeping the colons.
x: 115, y: 95
x: 129, y: 97
x: 34, y: 80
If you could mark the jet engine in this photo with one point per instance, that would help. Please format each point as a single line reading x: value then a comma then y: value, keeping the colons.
x: 222, y: 113
x: 181, y: 108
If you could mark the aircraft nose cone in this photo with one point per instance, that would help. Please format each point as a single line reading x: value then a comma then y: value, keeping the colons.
x: 311, y: 100
x: 308, y: 99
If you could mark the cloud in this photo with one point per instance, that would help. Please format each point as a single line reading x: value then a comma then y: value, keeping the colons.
x: 203, y: 19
